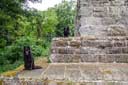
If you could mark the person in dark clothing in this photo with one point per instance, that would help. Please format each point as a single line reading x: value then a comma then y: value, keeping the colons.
x: 28, y: 59
x: 66, y: 31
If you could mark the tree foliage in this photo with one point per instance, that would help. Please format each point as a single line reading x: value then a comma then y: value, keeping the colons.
x: 20, y: 27
x: 66, y: 15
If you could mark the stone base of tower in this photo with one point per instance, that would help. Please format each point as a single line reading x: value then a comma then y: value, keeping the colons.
x: 113, y: 49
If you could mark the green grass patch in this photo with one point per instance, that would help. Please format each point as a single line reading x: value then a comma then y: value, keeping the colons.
x: 8, y: 67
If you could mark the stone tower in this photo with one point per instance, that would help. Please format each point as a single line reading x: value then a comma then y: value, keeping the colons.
x: 101, y: 34
x: 99, y: 49
x: 102, y: 18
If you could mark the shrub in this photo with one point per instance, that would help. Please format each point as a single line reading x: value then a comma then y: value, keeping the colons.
x: 13, y: 53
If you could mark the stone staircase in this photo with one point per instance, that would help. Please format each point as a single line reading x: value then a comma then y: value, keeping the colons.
x: 90, y: 49
x: 89, y: 60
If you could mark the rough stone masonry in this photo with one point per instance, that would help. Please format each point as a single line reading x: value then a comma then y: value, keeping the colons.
x: 102, y: 34
x: 102, y: 18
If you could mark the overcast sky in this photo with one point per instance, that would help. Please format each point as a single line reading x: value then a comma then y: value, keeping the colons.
x: 45, y: 4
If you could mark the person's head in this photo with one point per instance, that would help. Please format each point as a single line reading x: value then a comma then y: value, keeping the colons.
x: 26, y: 48
x: 67, y: 27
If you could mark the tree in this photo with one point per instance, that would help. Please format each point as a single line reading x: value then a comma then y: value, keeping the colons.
x: 66, y: 15
x: 20, y: 26
x: 10, y: 10
x: 50, y: 22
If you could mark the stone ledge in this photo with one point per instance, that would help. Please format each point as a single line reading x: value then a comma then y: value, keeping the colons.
x: 91, y: 37
x: 87, y: 72
x: 89, y: 50
x: 76, y: 74
x: 77, y: 58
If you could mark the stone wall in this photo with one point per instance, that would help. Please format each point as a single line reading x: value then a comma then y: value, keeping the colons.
x: 90, y: 49
x: 102, y: 17
x: 102, y: 27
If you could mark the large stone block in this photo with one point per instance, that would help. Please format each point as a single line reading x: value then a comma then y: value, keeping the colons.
x: 125, y: 50
x: 100, y: 11
x: 96, y: 30
x: 114, y: 11
x: 65, y: 50
x: 75, y: 43
x: 118, y: 2
x: 73, y: 75
x: 60, y: 43
x: 124, y: 11
x: 57, y: 58
x: 119, y: 43
x: 91, y: 21
x: 114, y: 50
x: 117, y: 30
x: 67, y: 58
x: 89, y: 58
x: 123, y: 21
x: 94, y: 2
x: 108, y: 21
x: 96, y: 43
x: 121, y: 58
x: 86, y: 11
x: 106, y: 58
x: 92, y: 50
x: 57, y: 72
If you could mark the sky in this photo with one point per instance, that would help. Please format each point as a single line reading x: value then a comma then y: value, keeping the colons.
x: 44, y: 5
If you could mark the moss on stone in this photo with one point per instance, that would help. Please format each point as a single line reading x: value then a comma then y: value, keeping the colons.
x: 12, y: 73
x: 1, y: 82
x: 107, y: 72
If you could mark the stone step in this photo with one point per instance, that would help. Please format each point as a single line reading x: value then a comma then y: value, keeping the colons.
x: 72, y: 49
x: 99, y: 73
x: 94, y: 42
x: 75, y: 74
x: 91, y: 37
x: 66, y: 82
x: 77, y: 58
x: 105, y: 43
x: 89, y: 50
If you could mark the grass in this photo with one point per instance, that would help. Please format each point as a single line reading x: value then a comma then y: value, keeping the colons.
x: 13, y: 72
x: 7, y: 67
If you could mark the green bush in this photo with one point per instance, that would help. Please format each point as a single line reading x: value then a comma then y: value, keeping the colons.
x: 11, y: 56
x: 2, y: 42
x: 2, y: 58
x: 14, y: 52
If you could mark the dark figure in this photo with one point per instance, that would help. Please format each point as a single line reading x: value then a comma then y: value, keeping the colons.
x: 28, y: 59
x: 66, y: 31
